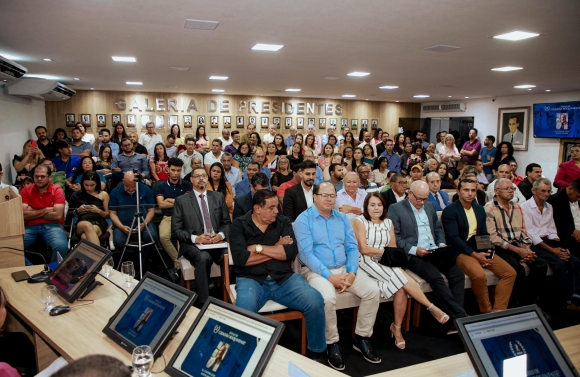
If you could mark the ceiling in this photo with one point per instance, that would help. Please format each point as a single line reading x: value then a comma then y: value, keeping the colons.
x: 324, y: 38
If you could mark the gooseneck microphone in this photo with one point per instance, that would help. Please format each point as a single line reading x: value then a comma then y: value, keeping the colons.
x: 94, y: 284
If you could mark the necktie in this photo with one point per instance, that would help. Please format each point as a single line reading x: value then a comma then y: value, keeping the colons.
x: 512, y: 138
x: 441, y: 204
x: 205, y: 213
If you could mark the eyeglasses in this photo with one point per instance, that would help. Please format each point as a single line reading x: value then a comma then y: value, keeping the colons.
x: 364, y: 172
x: 198, y: 176
x: 40, y: 176
x: 420, y: 200
x: 402, y: 183
x: 505, y: 188
x: 327, y: 196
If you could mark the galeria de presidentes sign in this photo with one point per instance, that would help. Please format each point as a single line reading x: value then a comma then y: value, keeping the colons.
x: 224, y: 106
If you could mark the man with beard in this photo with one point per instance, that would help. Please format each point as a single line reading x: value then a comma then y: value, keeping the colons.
x: 46, y: 146
x: 299, y: 198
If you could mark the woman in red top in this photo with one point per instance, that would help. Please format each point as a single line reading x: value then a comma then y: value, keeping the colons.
x: 158, y: 163
x: 569, y: 170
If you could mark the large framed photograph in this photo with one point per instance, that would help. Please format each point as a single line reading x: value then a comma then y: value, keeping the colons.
x: 132, y: 120
x: 287, y: 122
x: 69, y: 119
x: 173, y: 119
x: 321, y: 123
x: 276, y: 121
x: 344, y: 122
x: 332, y: 122
x: 300, y: 123
x: 115, y: 118
x: 252, y: 120
x: 513, y: 126
x: 240, y: 122
x: 265, y: 122
x: 353, y: 124
x: 374, y: 124
x: 201, y: 120
x: 187, y: 122
x: 227, y: 121
x: 101, y: 120
x: 86, y: 120
x: 213, y: 121
x: 145, y: 118
x: 159, y: 121
x: 364, y: 123
x: 311, y: 122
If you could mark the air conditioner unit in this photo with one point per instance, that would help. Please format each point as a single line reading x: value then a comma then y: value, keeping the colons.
x: 10, y: 71
x: 441, y: 107
x: 41, y: 89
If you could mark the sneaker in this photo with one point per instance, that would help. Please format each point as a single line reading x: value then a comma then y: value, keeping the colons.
x: 364, y: 347
x: 334, y: 356
x: 111, y: 246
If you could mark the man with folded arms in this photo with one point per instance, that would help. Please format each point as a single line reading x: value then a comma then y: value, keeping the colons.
x: 329, y: 251
x: 350, y: 200
x: 464, y: 220
x: 567, y: 216
x: 244, y: 204
x: 538, y: 215
x: 263, y: 249
x: 504, y: 171
x: 418, y: 230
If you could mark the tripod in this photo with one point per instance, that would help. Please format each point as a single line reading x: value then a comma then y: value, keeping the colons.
x: 136, y: 228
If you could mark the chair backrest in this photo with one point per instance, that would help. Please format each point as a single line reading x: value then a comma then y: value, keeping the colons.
x: 154, y: 186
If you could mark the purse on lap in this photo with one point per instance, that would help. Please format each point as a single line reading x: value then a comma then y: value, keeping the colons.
x: 394, y: 257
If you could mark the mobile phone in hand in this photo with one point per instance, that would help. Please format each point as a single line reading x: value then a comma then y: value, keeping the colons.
x: 33, y: 144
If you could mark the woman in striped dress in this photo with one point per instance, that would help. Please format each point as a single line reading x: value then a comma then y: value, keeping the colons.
x: 374, y: 231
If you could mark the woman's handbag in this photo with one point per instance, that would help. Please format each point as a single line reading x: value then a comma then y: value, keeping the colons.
x: 394, y: 257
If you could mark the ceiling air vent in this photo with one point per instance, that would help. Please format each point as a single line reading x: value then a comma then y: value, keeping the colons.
x: 445, y: 107
x: 431, y: 108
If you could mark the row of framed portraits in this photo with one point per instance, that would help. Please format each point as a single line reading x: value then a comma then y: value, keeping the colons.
x: 163, y: 121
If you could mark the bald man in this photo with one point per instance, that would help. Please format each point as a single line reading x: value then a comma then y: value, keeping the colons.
x: 350, y: 199
x: 505, y: 171
x: 122, y: 207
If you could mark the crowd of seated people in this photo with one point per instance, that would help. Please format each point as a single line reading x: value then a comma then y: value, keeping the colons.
x: 335, y: 202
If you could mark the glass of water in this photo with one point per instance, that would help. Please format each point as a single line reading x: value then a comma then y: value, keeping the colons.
x: 108, y: 267
x: 142, y: 361
x: 128, y: 271
x: 48, y: 295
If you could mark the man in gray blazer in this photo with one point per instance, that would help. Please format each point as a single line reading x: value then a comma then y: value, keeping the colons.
x: 418, y: 231
x: 200, y: 218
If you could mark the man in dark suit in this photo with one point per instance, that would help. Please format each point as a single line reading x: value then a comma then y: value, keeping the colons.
x: 382, y: 146
x: 563, y: 202
x: 533, y: 173
x: 243, y: 204
x: 418, y: 230
x: 398, y: 189
x: 300, y: 197
x: 439, y: 199
x: 200, y: 218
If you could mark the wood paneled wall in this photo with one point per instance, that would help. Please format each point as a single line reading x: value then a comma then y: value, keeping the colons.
x: 103, y: 102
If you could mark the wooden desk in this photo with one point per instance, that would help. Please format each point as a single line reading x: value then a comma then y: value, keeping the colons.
x: 79, y: 332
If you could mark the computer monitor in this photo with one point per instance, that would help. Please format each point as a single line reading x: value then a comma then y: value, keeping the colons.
x: 81, y: 263
x: 514, y: 342
x: 225, y: 341
x: 150, y: 315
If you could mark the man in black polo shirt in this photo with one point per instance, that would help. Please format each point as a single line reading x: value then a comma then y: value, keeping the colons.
x: 263, y: 248
x: 46, y: 146
x: 165, y: 195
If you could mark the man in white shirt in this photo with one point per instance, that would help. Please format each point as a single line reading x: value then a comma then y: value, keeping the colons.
x: 226, y: 139
x: 149, y: 139
x: 187, y: 155
x: 269, y: 137
x: 233, y: 174
x: 350, y: 200
x: 214, y: 156
x: 329, y: 132
x: 170, y: 147
x: 367, y: 139
x: 290, y: 139
x: 317, y: 139
x: 363, y: 175
x: 345, y: 130
x: 504, y: 171
x: 440, y: 144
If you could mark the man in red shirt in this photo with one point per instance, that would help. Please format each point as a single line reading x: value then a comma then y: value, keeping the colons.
x: 296, y: 178
x: 43, y: 206
x: 516, y: 178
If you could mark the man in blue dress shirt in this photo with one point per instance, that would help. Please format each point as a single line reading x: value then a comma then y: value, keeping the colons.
x: 394, y: 160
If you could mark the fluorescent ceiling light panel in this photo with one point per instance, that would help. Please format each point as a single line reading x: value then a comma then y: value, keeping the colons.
x: 442, y: 48
x: 358, y: 74
x: 218, y: 77
x: 449, y: 96
x: 47, y: 60
x: 524, y: 86
x: 466, y: 97
x: 506, y: 69
x: 266, y: 47
x: 47, y: 77
x: 218, y: 90
x: 134, y: 83
x: 516, y: 35
x: 92, y: 88
x: 201, y: 24
x: 421, y: 96
x: 127, y: 59
x: 396, y: 101
x: 293, y: 90
x: 388, y: 87
x: 183, y: 69
x: 10, y: 57
x: 548, y: 90
x: 348, y: 95
x: 76, y: 78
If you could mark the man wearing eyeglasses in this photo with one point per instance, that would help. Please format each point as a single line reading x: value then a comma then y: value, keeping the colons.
x: 350, y: 199
x: 398, y: 190
x: 43, y: 206
x: 419, y: 232
x: 504, y: 171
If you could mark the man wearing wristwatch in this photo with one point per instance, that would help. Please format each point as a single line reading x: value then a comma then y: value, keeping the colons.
x: 329, y: 252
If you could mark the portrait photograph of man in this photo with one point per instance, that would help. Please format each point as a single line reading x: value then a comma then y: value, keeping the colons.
x: 201, y: 120
x: 513, y: 127
x: 187, y: 120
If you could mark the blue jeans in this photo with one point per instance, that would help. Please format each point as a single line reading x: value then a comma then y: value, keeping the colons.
x: 295, y: 293
x: 132, y: 254
x: 52, y: 234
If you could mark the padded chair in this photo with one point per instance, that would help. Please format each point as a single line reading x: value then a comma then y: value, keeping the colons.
x: 75, y: 239
x: 188, y: 272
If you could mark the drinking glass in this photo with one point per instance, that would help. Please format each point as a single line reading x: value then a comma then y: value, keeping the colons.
x: 142, y: 361
x: 108, y: 267
x: 128, y: 271
x: 48, y: 295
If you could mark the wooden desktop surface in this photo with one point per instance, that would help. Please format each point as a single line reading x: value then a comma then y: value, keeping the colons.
x: 79, y: 333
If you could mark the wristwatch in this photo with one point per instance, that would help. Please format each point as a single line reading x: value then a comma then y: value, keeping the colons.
x: 259, y: 249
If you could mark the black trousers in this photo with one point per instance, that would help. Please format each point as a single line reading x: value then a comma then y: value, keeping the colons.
x: 526, y: 288
x: 202, y: 261
x: 450, y: 297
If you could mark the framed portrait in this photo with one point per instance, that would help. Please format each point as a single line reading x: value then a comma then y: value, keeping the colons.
x: 69, y: 119
x: 145, y: 118
x: 159, y: 121
x: 354, y: 124
x: 513, y: 126
x: 86, y: 120
x: 300, y: 123
x: 252, y: 120
x: 227, y: 121
x: 276, y: 121
x: 173, y: 119
x: 374, y: 124
x: 332, y: 122
x: 187, y: 121
x: 265, y: 122
x: 240, y: 122
x: 321, y: 123
x: 364, y: 123
x: 201, y: 120
x: 213, y: 121
x: 132, y: 120
x: 101, y: 120
x: 115, y: 118
x: 344, y: 122
x: 311, y: 121
x: 287, y: 122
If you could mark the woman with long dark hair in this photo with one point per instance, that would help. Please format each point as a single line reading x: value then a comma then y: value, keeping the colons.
x: 399, y: 147
x: 381, y: 171
x: 217, y: 182
x: 503, y: 155
x: 369, y: 155
x: 378, y: 136
x: 243, y: 157
x: 406, y: 160
x: 280, y: 146
x: 447, y: 182
x: 256, y: 142
x: 201, y: 144
x: 158, y: 163
x: 348, y: 141
x: 91, y: 205
x: 347, y: 158
x: 60, y: 134
x: 105, y: 159
x: 283, y: 174
x: 119, y: 133
x: 357, y: 158
x: 175, y: 130
x: 272, y: 159
x: 87, y: 164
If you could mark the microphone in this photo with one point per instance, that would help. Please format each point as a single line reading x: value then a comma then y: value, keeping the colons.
x: 25, y: 251
x: 39, y: 277
x: 94, y: 284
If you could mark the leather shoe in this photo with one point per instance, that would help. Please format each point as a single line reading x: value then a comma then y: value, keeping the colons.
x: 334, y: 356
x: 364, y: 347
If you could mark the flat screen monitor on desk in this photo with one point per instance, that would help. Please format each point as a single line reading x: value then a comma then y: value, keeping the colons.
x: 150, y: 315
x: 79, y: 265
x: 225, y: 341
x: 515, y: 342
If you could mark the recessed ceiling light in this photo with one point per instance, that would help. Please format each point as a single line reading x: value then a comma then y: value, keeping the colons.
x: 548, y: 90
x: 506, y: 69
x: 366, y: 99
x: 92, y: 88
x: 10, y: 57
x: 421, y: 96
x: 358, y: 74
x: 388, y: 87
x: 266, y: 47
x: 348, y: 95
x: 524, y: 86
x: 466, y: 97
x: 127, y: 59
x: 201, y: 24
x: 396, y: 101
x: 529, y: 89
x: 449, y: 96
x: 516, y: 35
x: 172, y: 86
x: 182, y: 69
x: 218, y: 90
x: 47, y: 60
x: 47, y: 77
x: 76, y: 78
x: 218, y: 77
x: 293, y: 90
x: 134, y: 83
